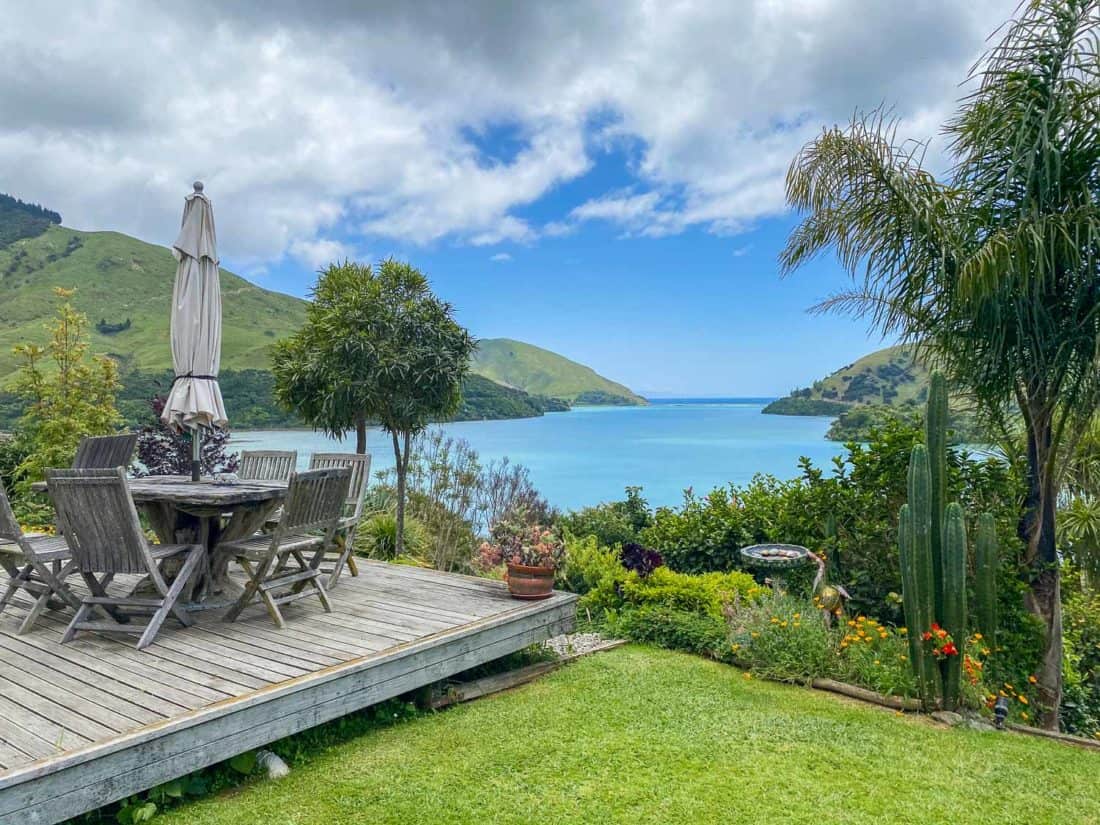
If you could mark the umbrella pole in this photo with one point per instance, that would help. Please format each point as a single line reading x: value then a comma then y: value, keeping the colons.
x: 196, y: 453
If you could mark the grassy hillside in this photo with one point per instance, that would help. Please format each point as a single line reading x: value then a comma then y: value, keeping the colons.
x: 124, y: 286
x: 119, y: 279
x: 890, y: 377
x: 542, y: 372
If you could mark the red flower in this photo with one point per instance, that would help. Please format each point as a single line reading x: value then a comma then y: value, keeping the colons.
x: 935, y: 627
x: 926, y: 636
x: 949, y: 649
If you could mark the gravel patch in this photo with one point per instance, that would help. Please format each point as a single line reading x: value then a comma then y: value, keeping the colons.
x: 574, y: 644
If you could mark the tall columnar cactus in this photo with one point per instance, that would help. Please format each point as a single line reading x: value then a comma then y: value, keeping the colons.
x: 935, y: 436
x: 918, y: 574
x: 985, y: 576
x: 932, y: 545
x: 953, y: 581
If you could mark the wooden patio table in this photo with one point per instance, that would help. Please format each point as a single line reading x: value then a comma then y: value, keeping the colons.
x: 181, y: 511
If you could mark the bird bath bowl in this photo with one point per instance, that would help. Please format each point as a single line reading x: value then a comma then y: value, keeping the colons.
x: 775, y: 558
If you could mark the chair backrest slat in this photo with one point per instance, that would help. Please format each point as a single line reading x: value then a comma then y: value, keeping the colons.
x: 267, y: 465
x: 359, y: 464
x: 99, y: 520
x: 105, y: 451
x: 9, y: 524
x: 314, y: 501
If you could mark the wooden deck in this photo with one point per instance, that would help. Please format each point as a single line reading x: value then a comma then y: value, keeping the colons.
x: 93, y: 721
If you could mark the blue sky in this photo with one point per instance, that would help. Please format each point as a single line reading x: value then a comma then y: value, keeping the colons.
x: 601, y: 179
x: 689, y: 314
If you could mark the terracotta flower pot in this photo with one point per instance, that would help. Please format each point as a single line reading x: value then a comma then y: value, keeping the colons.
x: 530, y: 583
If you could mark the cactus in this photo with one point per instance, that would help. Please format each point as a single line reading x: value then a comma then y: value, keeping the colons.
x: 913, y: 601
x: 932, y: 545
x: 915, y: 546
x: 935, y: 437
x: 953, y: 584
x: 985, y: 577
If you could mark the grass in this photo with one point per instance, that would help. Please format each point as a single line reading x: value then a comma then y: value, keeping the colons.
x: 641, y: 735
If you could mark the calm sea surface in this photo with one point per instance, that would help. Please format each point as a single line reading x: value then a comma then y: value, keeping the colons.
x: 590, y: 454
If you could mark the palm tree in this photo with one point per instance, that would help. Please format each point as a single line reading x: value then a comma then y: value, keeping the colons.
x: 992, y: 270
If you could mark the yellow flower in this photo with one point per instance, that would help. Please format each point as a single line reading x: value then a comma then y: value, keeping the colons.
x: 783, y: 624
x: 798, y: 615
x: 903, y: 630
x: 977, y: 637
x: 1023, y: 715
x: 877, y: 662
x: 736, y: 647
x: 755, y: 634
x: 1032, y: 679
x: 1022, y: 698
x: 775, y: 620
x: 882, y: 635
x: 798, y: 624
x: 851, y: 623
x: 748, y: 675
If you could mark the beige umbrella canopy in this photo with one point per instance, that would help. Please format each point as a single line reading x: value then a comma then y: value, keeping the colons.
x: 195, y: 401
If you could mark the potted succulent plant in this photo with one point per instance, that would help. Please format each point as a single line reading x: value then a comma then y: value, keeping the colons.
x: 531, y: 553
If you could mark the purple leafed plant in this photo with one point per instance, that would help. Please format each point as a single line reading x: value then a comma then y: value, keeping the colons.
x: 163, y: 452
x: 641, y: 560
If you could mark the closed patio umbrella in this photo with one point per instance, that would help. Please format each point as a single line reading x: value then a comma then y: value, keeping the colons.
x: 195, y: 401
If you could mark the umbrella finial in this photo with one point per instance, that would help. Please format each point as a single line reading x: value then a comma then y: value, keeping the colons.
x: 198, y: 186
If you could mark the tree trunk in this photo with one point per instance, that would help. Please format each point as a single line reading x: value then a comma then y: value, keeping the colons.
x: 400, y: 466
x: 361, y: 436
x: 1044, y: 597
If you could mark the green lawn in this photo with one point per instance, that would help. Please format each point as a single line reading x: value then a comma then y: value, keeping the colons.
x: 639, y: 735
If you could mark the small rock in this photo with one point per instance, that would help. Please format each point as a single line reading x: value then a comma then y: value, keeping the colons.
x: 947, y: 717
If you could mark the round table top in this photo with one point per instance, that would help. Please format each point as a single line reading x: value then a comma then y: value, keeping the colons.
x: 181, y: 490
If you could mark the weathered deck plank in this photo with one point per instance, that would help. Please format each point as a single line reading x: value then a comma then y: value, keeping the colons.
x: 87, y: 723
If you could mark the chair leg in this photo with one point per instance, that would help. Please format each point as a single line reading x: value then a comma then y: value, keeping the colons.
x: 169, y: 606
x: 35, y: 611
x: 16, y: 581
x: 273, y: 609
x: 322, y: 594
x: 250, y: 590
x: 80, y: 616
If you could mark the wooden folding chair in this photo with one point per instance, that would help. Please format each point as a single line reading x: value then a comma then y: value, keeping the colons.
x: 342, y: 552
x: 38, y: 565
x: 105, y: 451
x: 100, y: 524
x: 276, y: 564
x: 267, y: 465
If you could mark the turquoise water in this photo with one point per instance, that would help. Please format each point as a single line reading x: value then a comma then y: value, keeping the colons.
x: 590, y: 454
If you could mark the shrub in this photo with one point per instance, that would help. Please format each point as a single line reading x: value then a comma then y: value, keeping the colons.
x: 675, y: 629
x: 782, y: 638
x: 639, y: 559
x: 590, y: 566
x: 616, y: 522
x: 377, y: 537
x: 706, y: 594
x: 875, y: 656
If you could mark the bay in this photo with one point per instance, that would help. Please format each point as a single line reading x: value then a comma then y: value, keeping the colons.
x: 590, y: 454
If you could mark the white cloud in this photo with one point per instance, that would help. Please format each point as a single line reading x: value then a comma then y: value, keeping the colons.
x: 320, y: 252
x: 345, y: 120
x: 501, y: 258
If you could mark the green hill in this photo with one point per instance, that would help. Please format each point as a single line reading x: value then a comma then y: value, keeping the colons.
x: 124, y: 286
x: 888, y: 377
x: 539, y: 371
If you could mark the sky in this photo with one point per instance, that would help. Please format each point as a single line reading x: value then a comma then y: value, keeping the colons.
x: 603, y: 179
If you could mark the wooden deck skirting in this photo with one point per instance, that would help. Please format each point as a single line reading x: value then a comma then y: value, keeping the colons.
x: 203, y: 694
